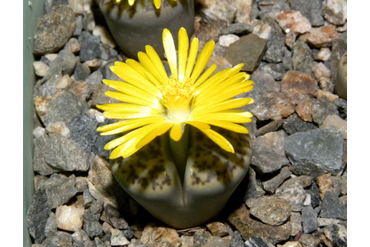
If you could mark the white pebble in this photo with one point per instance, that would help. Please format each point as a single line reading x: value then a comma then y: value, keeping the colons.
x: 38, y: 132
x: 51, y: 56
x: 40, y: 68
x: 58, y: 127
x: 117, y: 238
x: 307, y: 200
x: 64, y: 82
x: 337, y: 122
x: 97, y: 114
x: 228, y: 39
x: 324, y: 54
x: 69, y: 218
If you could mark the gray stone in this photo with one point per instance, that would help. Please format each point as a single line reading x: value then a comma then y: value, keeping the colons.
x: 268, y: 153
x: 296, y: 221
x: 294, y: 124
x: 95, y: 78
x: 55, y: 152
x: 310, y: 9
x: 342, y: 107
x: 114, y: 218
x: 337, y: 234
x: 303, y: 181
x: 82, y: 71
x: 201, y: 238
x: 321, y: 109
x: 274, y: 54
x: 332, y: 207
x: 249, y: 227
x: 252, y: 48
x: 51, y: 225
x: 118, y: 238
x: 236, y: 240
x: 38, y: 215
x: 257, y: 242
x: 302, y: 57
x: 64, y: 108
x: 79, y: 25
x: 59, y: 239
x: 80, y: 238
x: 315, y: 152
x: 54, y: 30
x: 59, y: 189
x: 335, y: 11
x: 90, y: 46
x: 309, y: 240
x: 272, y: 184
x: 239, y: 29
x: 294, y: 194
x: 63, y: 64
x: 252, y: 190
x: 270, y: 210
x: 83, y: 131
x: 309, y: 220
x: 315, y: 195
x: 276, y: 70
x: 272, y: 10
x: 91, y: 220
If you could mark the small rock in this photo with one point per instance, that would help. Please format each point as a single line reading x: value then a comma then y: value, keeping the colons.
x: 309, y: 240
x: 339, y: 211
x: 95, y: 78
x: 59, y: 239
x: 249, y: 227
x: 296, y: 222
x: 217, y: 10
x: 270, y: 210
x: 337, y: 122
x: 321, y: 109
x: 294, y: 194
x: 239, y: 28
x: 325, y: 183
x: 80, y: 238
x: 304, y: 181
x: 321, y: 36
x: 58, y: 128
x: 271, y: 9
x: 40, y: 68
x: 290, y: 38
x: 90, y: 46
x: 257, y: 242
x: 309, y: 219
x: 82, y: 71
x: 54, y: 30
x: 325, y: 94
x: 299, y: 85
x: 228, y: 39
x: 294, y: 124
x: 307, y: 200
x: 310, y: 9
x: 268, y: 153
x: 69, y: 218
x: 335, y: 11
x: 320, y: 70
x: 315, y: 196
x: 83, y: 131
x: 72, y: 46
x: 209, y: 31
x: 273, y: 105
x: 327, y: 222
x: 272, y: 184
x: 91, y: 224
x: 291, y: 244
x: 243, y: 11
x: 251, y: 56
x: 270, y: 127
x: 274, y: 54
x: 217, y: 229
x: 337, y: 234
x: 304, y: 109
x: 118, y: 238
x: 262, y: 29
x: 63, y: 64
x: 294, y: 21
x: 160, y: 236
x: 236, y: 240
x: 324, y: 54
x: 114, y: 218
x: 302, y: 59
x: 316, y: 151
x: 38, y: 132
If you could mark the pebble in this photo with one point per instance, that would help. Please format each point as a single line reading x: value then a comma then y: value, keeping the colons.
x: 281, y: 112
x: 293, y: 21
x: 160, y: 236
x: 69, y: 218
x: 54, y: 30
x: 251, y: 57
x: 335, y: 11
x: 270, y: 210
x: 104, y: 35
x: 315, y: 151
x: 40, y: 68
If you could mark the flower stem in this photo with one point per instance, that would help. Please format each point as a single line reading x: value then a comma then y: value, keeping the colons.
x: 179, y: 151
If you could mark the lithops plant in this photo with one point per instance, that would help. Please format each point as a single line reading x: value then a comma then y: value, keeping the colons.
x: 170, y: 159
x: 136, y: 23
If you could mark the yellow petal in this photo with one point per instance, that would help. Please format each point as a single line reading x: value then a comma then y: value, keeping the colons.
x: 131, y: 2
x: 122, y: 107
x: 206, y: 75
x: 230, y: 126
x: 231, y: 116
x: 127, y: 98
x: 127, y: 125
x: 177, y: 131
x: 156, y: 60
x: 203, y: 58
x: 157, y: 3
x: 170, y: 50
x: 219, y: 140
x: 192, y: 57
x: 222, y: 106
x: 147, y: 63
x: 183, y: 52
x: 199, y: 125
x: 131, y: 90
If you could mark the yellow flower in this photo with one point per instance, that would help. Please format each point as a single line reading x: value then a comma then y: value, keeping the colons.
x: 155, y: 103
x: 157, y: 3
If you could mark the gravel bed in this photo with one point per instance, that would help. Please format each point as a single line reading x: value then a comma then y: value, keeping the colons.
x: 295, y: 193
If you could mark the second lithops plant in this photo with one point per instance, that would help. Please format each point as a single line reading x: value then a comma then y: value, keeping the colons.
x: 182, y: 148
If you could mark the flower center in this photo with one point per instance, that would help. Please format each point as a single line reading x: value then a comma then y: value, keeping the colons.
x: 176, y: 97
